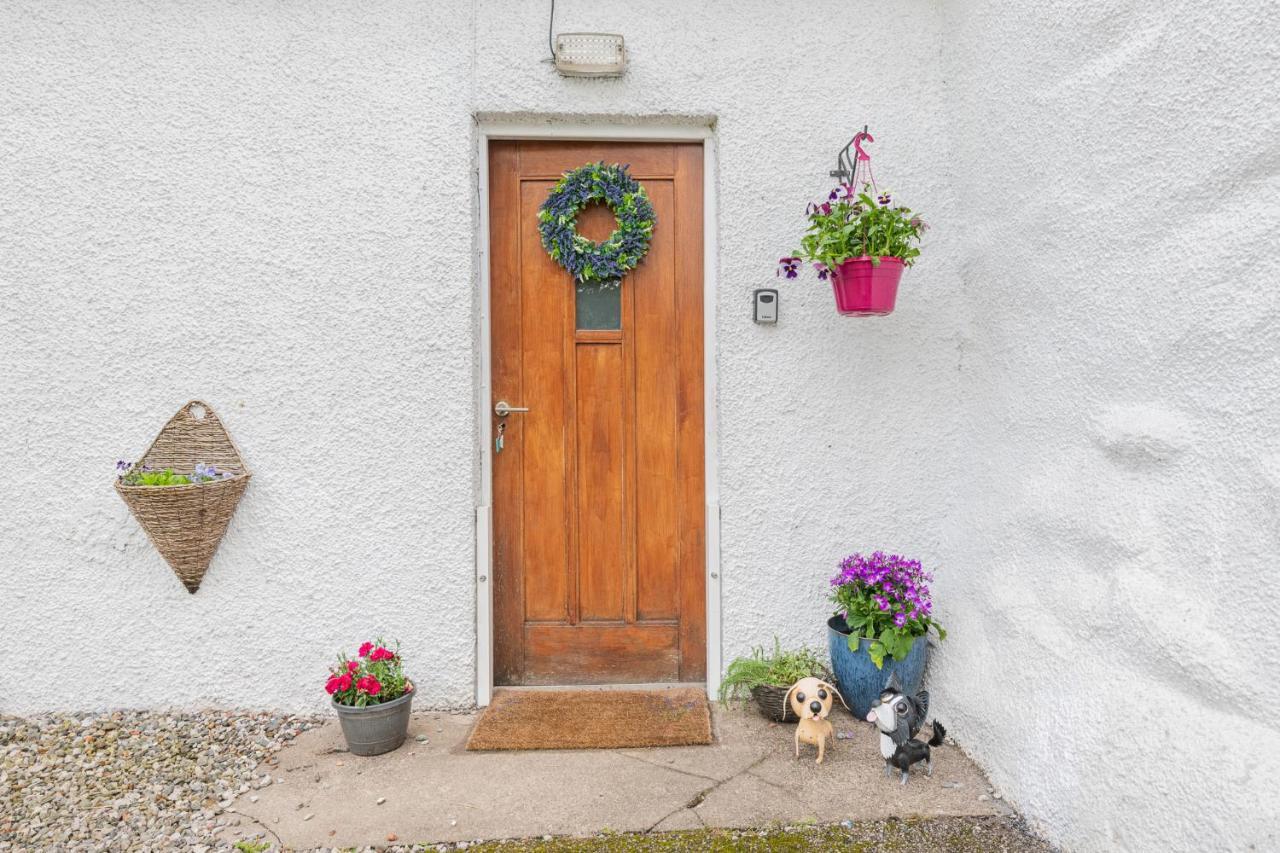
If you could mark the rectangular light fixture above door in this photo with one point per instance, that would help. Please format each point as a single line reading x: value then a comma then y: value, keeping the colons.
x: 590, y: 54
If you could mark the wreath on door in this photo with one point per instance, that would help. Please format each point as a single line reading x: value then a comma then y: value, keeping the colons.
x: 597, y: 263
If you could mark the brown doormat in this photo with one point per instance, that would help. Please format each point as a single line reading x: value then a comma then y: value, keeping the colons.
x: 593, y: 719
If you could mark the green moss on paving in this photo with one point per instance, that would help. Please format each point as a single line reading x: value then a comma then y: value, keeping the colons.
x: 963, y: 835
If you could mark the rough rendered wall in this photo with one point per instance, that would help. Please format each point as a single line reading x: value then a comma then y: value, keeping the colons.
x: 1112, y: 561
x: 272, y: 208
x: 269, y: 206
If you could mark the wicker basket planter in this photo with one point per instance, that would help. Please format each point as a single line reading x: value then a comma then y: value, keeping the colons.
x: 771, y: 700
x: 186, y: 523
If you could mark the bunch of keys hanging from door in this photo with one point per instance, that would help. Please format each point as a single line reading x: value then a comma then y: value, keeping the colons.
x: 502, y: 409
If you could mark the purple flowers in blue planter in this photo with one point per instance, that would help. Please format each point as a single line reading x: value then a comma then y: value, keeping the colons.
x: 884, y: 598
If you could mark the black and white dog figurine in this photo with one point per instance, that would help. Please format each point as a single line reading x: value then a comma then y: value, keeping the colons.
x: 899, y: 718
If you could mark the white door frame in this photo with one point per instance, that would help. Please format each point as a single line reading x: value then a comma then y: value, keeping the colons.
x: 484, y: 511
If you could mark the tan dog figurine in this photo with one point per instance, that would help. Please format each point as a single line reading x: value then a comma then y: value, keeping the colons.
x: 810, y: 699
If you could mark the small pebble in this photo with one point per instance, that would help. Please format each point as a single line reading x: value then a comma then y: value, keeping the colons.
x: 311, y: 815
x: 381, y: 800
x: 983, y: 798
x: 951, y: 784
x: 422, y: 738
x: 453, y: 823
x: 391, y: 836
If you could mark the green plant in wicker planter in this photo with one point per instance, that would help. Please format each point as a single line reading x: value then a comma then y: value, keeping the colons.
x: 767, y: 677
x: 185, y: 488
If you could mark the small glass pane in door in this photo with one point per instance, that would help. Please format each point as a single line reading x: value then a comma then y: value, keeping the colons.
x: 598, y: 306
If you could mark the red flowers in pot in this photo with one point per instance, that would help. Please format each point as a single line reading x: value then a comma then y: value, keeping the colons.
x: 372, y: 697
x: 374, y: 677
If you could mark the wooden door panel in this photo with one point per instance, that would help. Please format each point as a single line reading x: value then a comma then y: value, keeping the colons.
x: 657, y: 375
x: 601, y: 496
x: 560, y: 654
x: 691, y: 473
x: 548, y: 159
x: 506, y: 357
x: 598, y: 490
x: 541, y: 433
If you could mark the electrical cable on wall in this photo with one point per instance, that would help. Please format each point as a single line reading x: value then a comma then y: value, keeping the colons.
x: 551, y: 28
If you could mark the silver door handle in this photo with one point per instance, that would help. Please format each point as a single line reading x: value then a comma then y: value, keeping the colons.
x: 501, y: 409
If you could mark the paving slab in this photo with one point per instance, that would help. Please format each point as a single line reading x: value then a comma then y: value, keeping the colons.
x: 436, y: 791
x: 849, y: 785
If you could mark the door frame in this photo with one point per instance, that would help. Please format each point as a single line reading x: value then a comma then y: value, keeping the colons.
x: 595, y: 131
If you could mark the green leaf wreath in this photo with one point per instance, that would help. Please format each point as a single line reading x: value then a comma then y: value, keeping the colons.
x: 597, y: 263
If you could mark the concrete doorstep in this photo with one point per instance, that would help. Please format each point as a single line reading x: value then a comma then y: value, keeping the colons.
x: 432, y: 790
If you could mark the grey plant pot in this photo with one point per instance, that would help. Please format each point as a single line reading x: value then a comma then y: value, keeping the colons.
x: 375, y: 729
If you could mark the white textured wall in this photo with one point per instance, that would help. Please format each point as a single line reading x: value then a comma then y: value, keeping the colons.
x: 284, y: 197
x: 272, y: 206
x: 1111, y: 564
x: 269, y: 206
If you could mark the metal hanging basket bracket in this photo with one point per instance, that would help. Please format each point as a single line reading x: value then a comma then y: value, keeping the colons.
x: 850, y: 156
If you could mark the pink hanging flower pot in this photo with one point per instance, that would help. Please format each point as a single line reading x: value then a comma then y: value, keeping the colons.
x: 864, y: 288
x: 858, y: 238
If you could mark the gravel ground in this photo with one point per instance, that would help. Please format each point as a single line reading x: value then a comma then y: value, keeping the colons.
x: 132, y: 780
x: 157, y: 781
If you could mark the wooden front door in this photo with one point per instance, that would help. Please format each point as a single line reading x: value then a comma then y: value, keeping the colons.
x: 598, y: 487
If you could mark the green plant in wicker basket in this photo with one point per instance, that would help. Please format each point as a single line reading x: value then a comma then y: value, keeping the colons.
x: 780, y: 669
x: 141, y: 475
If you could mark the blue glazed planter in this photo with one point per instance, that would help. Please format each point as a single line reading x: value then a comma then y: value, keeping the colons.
x: 858, y: 679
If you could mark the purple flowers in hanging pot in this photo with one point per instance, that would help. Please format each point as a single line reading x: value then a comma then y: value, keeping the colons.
x: 842, y: 192
x: 789, y: 267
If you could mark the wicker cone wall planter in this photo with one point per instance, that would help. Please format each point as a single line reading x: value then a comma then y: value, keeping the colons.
x: 186, y: 523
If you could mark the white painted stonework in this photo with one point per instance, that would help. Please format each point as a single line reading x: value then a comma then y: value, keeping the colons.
x: 1073, y: 417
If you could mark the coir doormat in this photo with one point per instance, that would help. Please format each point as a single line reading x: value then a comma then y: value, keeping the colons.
x: 593, y: 719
